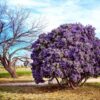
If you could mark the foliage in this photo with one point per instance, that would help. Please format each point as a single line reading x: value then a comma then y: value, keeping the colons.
x: 70, y: 52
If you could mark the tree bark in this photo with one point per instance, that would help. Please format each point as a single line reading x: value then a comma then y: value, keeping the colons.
x: 7, y: 65
x: 85, y: 79
x: 11, y: 71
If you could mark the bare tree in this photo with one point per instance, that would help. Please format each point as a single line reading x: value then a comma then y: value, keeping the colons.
x: 15, y: 36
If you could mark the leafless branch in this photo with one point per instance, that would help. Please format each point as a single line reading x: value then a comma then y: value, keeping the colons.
x: 15, y: 34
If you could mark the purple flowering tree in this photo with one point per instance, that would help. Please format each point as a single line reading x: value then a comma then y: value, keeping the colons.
x: 70, y: 53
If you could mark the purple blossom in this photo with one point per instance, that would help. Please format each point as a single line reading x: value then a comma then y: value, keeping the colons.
x: 71, y: 51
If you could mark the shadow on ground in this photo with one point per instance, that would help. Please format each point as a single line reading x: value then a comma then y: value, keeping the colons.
x: 31, y: 89
x: 44, y: 89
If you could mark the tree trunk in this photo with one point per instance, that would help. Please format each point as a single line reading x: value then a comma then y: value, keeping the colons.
x: 8, y: 66
x: 11, y: 71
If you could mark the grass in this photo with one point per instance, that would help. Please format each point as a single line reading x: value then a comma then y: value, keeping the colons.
x: 19, y: 71
x: 90, y: 91
x: 24, y: 78
x: 24, y: 75
x: 95, y: 84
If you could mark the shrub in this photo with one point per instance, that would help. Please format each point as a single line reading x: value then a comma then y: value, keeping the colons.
x: 70, y: 52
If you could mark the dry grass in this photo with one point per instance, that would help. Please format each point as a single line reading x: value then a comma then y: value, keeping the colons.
x: 19, y: 79
x: 91, y: 91
x: 53, y: 92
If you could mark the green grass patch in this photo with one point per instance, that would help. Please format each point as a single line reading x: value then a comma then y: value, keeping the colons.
x: 94, y: 84
x: 19, y: 71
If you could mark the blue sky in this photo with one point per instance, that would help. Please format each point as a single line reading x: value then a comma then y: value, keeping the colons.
x: 56, y: 12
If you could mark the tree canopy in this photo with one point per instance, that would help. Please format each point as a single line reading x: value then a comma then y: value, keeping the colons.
x: 70, y: 52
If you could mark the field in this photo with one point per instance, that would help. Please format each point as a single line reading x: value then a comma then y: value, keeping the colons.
x: 24, y: 75
x: 91, y: 91
x: 21, y: 71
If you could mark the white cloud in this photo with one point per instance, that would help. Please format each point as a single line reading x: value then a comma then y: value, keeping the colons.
x: 65, y: 12
x: 72, y: 12
x: 27, y: 3
x: 21, y: 2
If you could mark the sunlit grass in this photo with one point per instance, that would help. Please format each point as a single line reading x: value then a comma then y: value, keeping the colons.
x: 90, y: 91
x: 94, y: 84
x: 20, y: 72
x: 24, y: 78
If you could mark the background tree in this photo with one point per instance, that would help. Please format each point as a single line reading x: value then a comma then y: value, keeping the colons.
x: 71, y: 52
x: 15, y: 35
